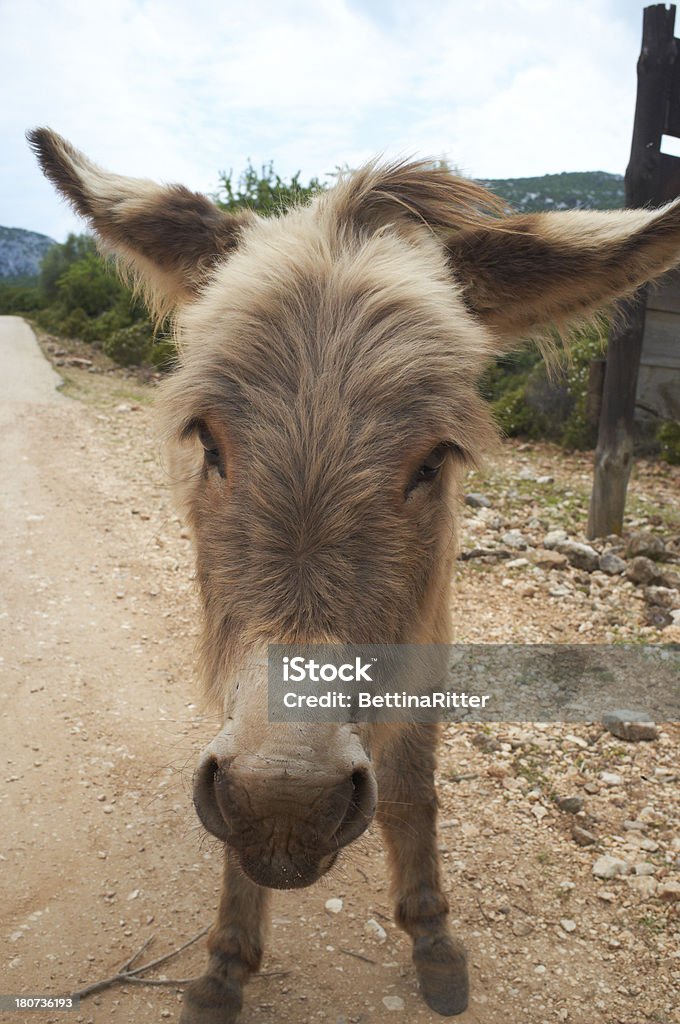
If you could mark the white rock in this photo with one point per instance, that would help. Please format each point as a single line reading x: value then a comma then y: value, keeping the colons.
x: 610, y: 867
x: 514, y: 539
x: 611, y: 779
x: 645, y: 885
x: 334, y: 905
x: 645, y: 868
x: 375, y: 930
x: 568, y: 925
x: 553, y: 538
x: 393, y: 1002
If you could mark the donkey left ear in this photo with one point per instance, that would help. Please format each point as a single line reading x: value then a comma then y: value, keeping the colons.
x: 166, y: 236
x: 524, y: 274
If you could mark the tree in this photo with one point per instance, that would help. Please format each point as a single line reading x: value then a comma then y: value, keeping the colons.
x: 265, y: 192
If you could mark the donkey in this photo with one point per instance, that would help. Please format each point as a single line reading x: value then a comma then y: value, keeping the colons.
x: 321, y: 417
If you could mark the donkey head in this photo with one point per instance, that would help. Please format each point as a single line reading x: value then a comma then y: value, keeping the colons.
x: 323, y: 411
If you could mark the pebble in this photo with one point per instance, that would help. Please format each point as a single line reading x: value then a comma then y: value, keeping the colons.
x: 663, y: 597
x: 375, y: 930
x: 334, y: 905
x: 645, y: 868
x: 477, y: 501
x: 553, y: 538
x: 645, y: 885
x: 641, y: 571
x: 670, y: 578
x: 514, y: 539
x: 567, y: 924
x: 581, y: 556
x: 571, y: 804
x: 550, y: 560
x: 669, y: 891
x: 611, y: 779
x: 582, y: 836
x: 646, y: 544
x: 610, y: 867
x: 633, y: 726
x: 393, y: 1002
x: 611, y: 564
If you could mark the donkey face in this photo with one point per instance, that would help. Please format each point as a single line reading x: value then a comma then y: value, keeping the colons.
x: 319, y: 422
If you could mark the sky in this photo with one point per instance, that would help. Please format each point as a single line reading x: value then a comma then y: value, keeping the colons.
x: 179, y: 91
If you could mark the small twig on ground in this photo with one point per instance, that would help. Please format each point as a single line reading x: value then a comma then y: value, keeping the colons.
x: 127, y: 974
x: 482, y: 911
x: 358, y: 956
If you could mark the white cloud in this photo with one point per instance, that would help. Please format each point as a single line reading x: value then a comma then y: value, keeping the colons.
x: 177, y: 91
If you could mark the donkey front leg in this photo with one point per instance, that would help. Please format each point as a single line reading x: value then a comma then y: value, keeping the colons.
x: 407, y: 813
x: 235, y: 944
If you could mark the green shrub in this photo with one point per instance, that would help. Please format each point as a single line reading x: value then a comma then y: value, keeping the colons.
x: 265, y: 192
x: 130, y: 346
x: 16, y: 298
x: 668, y: 436
x: 530, y: 401
x: 163, y: 354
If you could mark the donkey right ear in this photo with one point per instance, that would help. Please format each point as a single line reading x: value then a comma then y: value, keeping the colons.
x: 167, y: 237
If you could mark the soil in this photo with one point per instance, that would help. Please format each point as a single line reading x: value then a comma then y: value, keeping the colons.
x: 101, y: 725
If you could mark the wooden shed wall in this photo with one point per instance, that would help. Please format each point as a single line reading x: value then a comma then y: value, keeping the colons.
x: 659, y: 379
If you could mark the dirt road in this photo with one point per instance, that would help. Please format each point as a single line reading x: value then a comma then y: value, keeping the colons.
x: 100, y: 728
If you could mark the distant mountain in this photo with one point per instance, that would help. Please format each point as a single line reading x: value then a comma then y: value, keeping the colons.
x: 21, y: 252
x: 573, y: 190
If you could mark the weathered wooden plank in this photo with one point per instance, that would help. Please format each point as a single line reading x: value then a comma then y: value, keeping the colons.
x: 664, y: 294
x: 669, y: 178
x: 614, y: 454
x: 659, y: 390
x: 661, y: 340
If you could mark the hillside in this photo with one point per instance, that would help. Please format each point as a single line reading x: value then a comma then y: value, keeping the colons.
x: 594, y: 190
x: 21, y: 252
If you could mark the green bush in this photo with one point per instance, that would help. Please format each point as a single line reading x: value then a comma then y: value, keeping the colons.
x: 16, y: 298
x: 163, y: 354
x: 668, y: 436
x: 130, y: 346
x: 265, y: 192
x: 91, y: 285
x: 528, y: 400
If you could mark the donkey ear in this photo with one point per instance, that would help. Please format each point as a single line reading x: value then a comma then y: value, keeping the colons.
x: 167, y: 237
x: 524, y: 274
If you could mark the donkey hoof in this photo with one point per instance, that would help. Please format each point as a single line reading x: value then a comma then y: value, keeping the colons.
x: 441, y: 967
x: 208, y: 1001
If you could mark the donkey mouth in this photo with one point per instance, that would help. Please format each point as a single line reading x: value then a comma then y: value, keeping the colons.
x: 286, y: 872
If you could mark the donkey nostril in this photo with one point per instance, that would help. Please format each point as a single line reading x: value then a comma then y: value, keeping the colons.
x: 360, y: 807
x: 208, y: 776
x: 358, y: 779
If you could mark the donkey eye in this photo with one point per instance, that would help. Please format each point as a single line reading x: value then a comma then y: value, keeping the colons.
x: 430, y: 467
x: 211, y: 450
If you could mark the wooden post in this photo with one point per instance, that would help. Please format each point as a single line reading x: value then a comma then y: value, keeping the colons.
x: 644, y: 185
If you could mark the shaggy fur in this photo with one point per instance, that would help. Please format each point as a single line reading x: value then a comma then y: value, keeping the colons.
x: 327, y: 356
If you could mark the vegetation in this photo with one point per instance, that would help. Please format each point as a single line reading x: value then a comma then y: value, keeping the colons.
x: 265, y: 192
x: 592, y: 190
x: 530, y: 400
